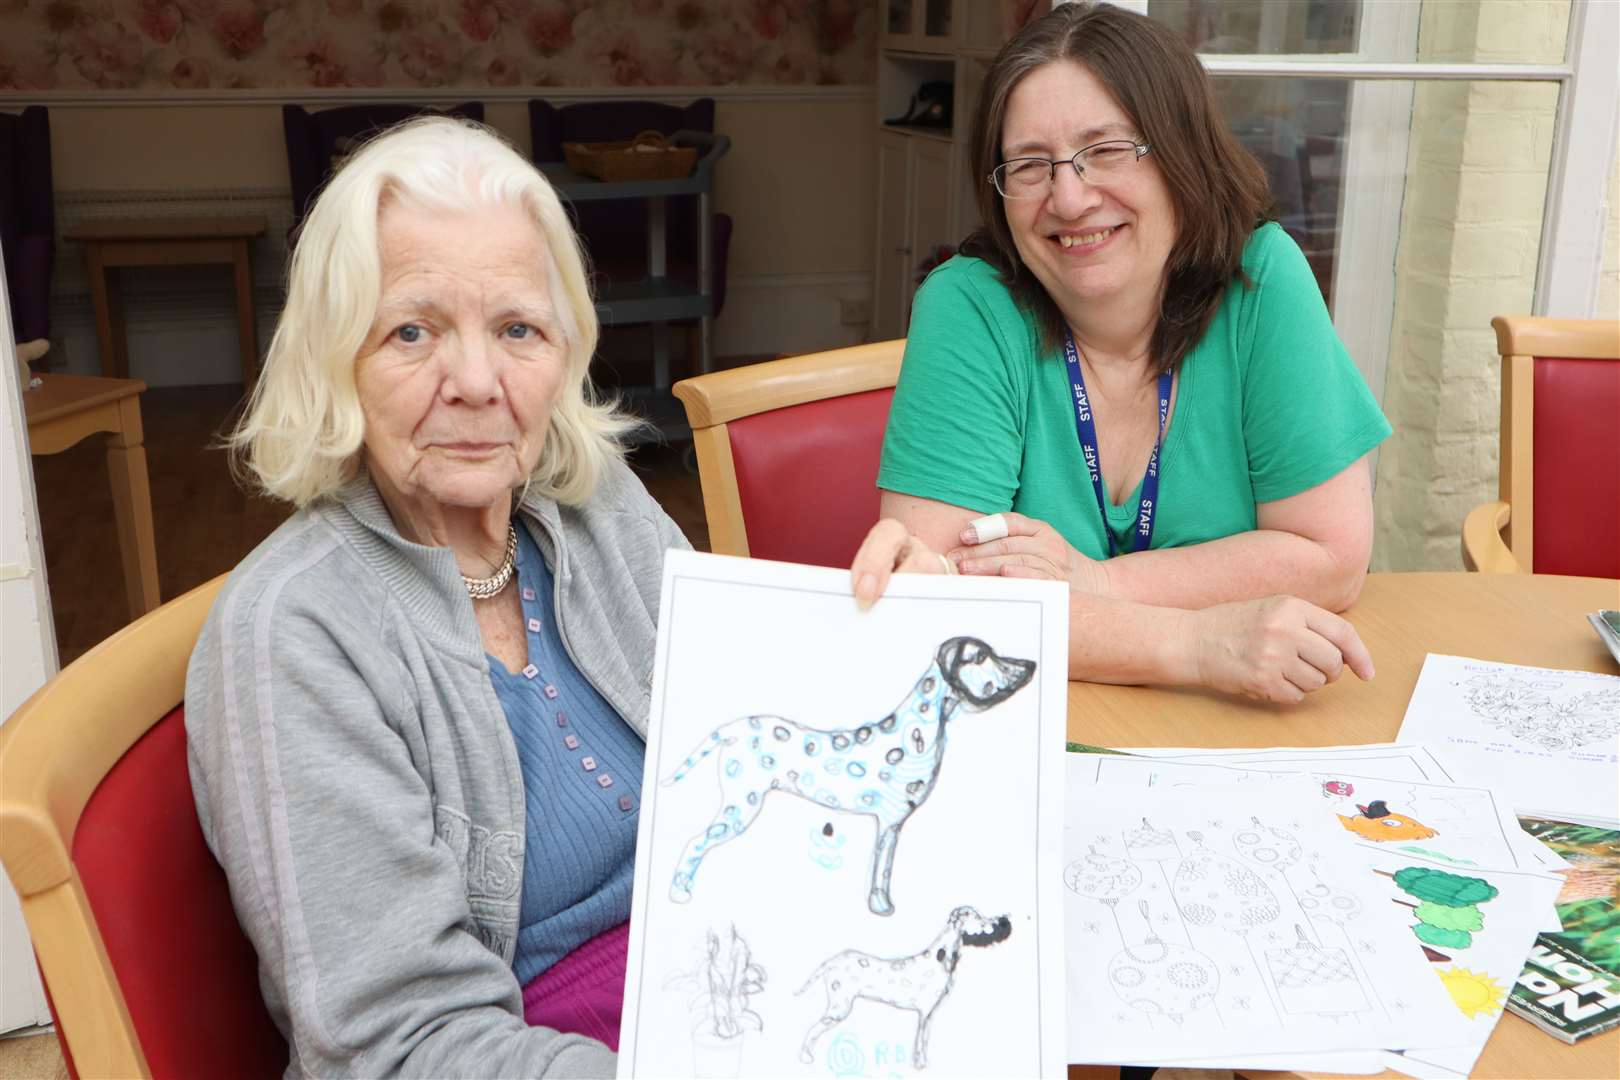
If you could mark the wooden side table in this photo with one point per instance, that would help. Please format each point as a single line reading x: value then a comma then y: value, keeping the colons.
x: 65, y: 409
x: 166, y: 242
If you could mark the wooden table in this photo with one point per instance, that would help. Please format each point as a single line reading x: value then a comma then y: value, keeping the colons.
x: 1513, y: 618
x: 65, y: 409
x: 166, y: 242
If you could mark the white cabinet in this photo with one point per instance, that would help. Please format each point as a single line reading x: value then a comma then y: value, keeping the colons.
x: 922, y: 25
x: 915, y: 215
x: 925, y: 196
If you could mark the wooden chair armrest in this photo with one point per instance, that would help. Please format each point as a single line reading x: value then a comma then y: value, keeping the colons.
x: 720, y: 397
x: 1482, y: 548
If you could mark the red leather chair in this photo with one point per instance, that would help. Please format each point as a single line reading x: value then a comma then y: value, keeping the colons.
x: 788, y: 451
x: 147, y: 970
x: 1558, y: 510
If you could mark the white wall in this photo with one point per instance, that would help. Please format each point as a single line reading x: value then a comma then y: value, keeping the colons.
x: 799, y: 184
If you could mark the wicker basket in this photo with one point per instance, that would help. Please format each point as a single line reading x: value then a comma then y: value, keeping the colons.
x: 646, y: 157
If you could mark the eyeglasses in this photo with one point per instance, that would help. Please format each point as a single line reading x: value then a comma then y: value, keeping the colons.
x: 1099, y: 163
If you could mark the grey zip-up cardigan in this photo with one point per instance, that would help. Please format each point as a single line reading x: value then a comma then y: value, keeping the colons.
x: 355, y: 775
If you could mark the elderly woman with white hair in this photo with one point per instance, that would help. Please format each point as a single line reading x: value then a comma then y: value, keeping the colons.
x: 417, y: 712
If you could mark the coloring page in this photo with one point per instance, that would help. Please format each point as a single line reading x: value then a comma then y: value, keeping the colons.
x: 1448, y: 822
x: 1549, y: 740
x: 1387, y: 761
x: 849, y: 852
x: 1231, y: 921
x: 1475, y: 927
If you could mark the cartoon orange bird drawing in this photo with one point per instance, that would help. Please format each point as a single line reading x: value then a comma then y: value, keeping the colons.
x: 1377, y: 822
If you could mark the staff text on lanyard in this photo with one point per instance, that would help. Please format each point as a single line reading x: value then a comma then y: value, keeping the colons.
x: 1086, y: 429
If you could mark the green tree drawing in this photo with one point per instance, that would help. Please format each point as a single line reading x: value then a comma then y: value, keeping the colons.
x: 1447, y: 909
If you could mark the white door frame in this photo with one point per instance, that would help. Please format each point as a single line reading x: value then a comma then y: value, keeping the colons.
x: 1570, y: 260
x: 27, y: 650
x: 1376, y: 142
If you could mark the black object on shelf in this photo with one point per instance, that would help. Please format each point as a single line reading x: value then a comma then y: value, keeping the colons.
x: 930, y: 106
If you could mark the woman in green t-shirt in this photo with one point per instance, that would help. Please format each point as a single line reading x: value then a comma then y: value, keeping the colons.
x: 1139, y: 383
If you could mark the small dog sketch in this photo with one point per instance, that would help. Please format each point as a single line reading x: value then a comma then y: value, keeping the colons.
x: 885, y: 769
x: 920, y: 982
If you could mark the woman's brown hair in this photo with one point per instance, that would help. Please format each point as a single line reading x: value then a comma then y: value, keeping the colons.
x: 1218, y: 189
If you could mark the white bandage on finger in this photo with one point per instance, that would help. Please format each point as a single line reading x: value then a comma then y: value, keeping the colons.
x: 990, y: 527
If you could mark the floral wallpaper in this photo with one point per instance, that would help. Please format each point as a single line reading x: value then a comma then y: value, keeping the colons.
x: 291, y: 44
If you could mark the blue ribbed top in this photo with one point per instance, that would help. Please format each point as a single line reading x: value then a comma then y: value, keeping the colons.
x: 581, y: 786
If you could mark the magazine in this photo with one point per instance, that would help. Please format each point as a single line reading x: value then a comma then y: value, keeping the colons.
x: 1607, y: 625
x: 1570, y: 986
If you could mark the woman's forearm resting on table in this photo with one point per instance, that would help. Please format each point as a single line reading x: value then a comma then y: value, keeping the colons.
x: 1275, y: 649
x: 1211, y: 614
x: 1247, y: 566
x: 1119, y: 641
x: 1313, y: 545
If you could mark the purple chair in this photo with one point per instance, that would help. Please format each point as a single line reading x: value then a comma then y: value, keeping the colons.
x: 617, y: 239
x: 27, y: 219
x: 315, y: 138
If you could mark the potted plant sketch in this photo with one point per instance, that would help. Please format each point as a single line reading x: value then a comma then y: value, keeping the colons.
x: 721, y: 985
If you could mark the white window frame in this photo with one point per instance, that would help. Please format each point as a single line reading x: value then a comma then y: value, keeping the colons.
x: 1383, y: 71
x: 1572, y: 224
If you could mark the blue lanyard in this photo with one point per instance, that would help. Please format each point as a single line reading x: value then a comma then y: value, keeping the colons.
x: 1086, y: 429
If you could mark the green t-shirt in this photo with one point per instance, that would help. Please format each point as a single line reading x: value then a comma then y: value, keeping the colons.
x: 1268, y: 404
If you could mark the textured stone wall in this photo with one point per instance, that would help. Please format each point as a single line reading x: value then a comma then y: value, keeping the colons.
x: 1470, y: 233
x: 1608, y: 299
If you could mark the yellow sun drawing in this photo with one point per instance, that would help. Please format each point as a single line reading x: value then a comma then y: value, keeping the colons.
x: 1475, y: 993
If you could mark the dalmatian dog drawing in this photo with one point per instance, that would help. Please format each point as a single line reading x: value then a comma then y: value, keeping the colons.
x: 920, y: 982
x: 885, y: 769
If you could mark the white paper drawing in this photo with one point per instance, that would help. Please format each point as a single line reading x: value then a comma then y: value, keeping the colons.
x: 1212, y: 890
x: 1475, y: 927
x: 1387, y: 761
x: 884, y: 768
x: 1161, y: 978
x: 919, y: 983
x: 1236, y: 921
x: 1539, y: 715
x: 1466, y: 825
x: 898, y: 819
x: 721, y: 983
x: 1549, y: 739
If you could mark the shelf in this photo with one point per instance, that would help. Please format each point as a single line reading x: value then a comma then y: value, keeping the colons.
x: 945, y: 56
x: 651, y: 300
x: 576, y: 187
x: 942, y: 135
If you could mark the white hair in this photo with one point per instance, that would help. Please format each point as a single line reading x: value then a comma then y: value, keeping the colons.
x: 301, y: 435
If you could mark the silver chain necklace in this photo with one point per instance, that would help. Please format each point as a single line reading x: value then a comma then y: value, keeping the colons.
x: 484, y: 588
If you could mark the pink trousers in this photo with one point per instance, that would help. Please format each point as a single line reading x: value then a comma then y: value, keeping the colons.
x: 583, y: 993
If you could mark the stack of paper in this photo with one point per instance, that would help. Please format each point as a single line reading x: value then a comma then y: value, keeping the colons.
x: 1549, y: 740
x: 1361, y: 909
